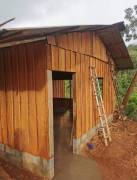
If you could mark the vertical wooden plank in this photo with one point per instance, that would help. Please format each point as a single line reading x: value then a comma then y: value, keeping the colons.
x: 78, y: 97
x: 79, y: 40
x: 58, y: 89
x: 49, y: 57
x: 91, y: 96
x: 50, y: 113
x: 83, y: 94
x: 61, y: 59
x: 87, y: 43
x: 3, y: 101
x: 16, y: 97
x: 94, y: 45
x: 32, y: 100
x: 1, y: 129
x: 76, y: 40
x: 83, y: 46
x: 94, y: 101
x: 68, y: 60
x: 91, y: 43
x: 74, y: 106
x: 23, y: 88
x: 55, y: 58
x: 73, y: 61
x: 40, y: 99
x: 86, y: 67
x: 65, y: 41
x: 62, y: 41
x: 96, y: 111
x: 9, y: 96
x: 70, y: 41
x: 46, y: 104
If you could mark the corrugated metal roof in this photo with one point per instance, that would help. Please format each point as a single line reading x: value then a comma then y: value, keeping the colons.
x: 110, y: 35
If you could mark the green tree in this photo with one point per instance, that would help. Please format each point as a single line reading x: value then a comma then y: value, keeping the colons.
x: 125, y: 77
x: 131, y: 23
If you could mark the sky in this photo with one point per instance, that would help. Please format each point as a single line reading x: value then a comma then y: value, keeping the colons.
x: 32, y: 13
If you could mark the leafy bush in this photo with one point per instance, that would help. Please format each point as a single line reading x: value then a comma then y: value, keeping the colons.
x: 124, y: 79
x: 131, y: 109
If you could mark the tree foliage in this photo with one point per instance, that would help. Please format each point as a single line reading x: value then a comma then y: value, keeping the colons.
x: 124, y: 80
x: 131, y: 23
x: 124, y: 77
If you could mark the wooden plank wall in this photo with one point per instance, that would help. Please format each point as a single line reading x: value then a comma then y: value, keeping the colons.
x: 58, y: 88
x: 24, y: 92
x: 87, y: 43
x: 75, y: 52
x: 23, y: 98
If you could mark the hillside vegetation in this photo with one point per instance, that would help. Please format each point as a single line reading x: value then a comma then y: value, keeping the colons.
x: 124, y: 80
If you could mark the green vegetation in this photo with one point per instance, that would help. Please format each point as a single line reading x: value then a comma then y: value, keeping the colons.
x: 67, y: 88
x: 124, y: 80
x: 125, y: 77
x: 131, y: 23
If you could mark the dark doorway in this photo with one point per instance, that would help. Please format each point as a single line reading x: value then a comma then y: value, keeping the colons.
x: 63, y: 116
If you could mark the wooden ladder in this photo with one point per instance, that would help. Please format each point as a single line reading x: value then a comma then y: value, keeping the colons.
x: 105, y: 130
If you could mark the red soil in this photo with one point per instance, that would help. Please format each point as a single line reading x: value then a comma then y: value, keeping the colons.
x: 118, y: 161
x: 10, y: 172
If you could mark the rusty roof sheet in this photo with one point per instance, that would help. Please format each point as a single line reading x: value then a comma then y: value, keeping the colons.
x: 109, y: 34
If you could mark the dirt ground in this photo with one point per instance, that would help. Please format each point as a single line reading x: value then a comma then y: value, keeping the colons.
x: 118, y: 161
x: 69, y: 166
x: 10, y: 172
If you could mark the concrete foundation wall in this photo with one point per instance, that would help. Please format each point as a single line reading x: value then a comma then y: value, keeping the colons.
x: 38, y: 165
x: 35, y: 164
x: 80, y: 142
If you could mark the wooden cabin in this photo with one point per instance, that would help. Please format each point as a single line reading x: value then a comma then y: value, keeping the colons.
x: 35, y: 64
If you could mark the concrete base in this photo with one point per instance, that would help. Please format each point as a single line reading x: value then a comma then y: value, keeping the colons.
x: 35, y: 164
x: 38, y: 165
x: 80, y: 142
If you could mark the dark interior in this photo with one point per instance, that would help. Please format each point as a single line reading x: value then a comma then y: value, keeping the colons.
x: 63, y: 116
x: 63, y: 122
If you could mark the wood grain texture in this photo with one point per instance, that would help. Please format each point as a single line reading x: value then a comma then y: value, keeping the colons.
x: 24, y: 112
x: 23, y: 98
x: 87, y: 43
x: 58, y: 88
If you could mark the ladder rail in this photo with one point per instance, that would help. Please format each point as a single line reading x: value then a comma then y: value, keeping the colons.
x: 103, y: 108
x: 100, y: 116
x: 101, y: 120
x: 100, y: 105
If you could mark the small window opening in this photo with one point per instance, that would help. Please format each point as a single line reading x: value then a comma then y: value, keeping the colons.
x: 101, y: 85
x: 68, y: 93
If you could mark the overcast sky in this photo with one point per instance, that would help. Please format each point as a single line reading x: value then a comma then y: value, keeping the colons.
x: 63, y: 12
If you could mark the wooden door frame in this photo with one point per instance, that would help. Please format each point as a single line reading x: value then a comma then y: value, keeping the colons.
x: 50, y: 110
x: 50, y: 113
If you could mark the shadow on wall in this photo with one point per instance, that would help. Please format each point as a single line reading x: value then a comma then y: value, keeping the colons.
x: 23, y: 67
x: 23, y: 98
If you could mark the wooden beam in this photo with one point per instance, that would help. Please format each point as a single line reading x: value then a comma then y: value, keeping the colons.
x: 19, y: 37
x: 50, y: 113
x: 14, y: 43
x: 9, y: 35
x: 65, y: 30
x: 2, y: 24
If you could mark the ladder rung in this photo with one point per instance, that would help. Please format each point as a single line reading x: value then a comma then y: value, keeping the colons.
x: 100, y: 104
x: 101, y: 115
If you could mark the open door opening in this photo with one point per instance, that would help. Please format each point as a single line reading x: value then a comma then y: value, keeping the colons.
x: 62, y: 116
